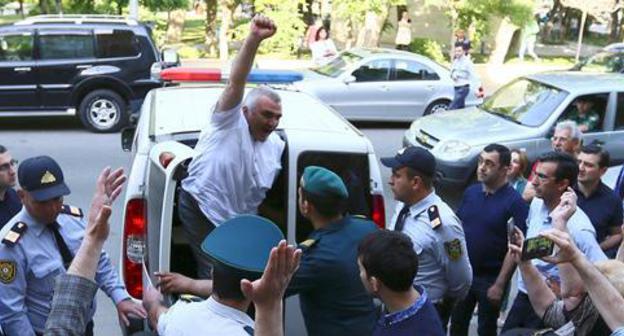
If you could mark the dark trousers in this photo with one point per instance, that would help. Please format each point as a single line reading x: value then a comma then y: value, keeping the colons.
x: 197, y: 227
x: 445, y: 308
x: 488, y: 313
x: 522, y: 315
x: 459, y: 100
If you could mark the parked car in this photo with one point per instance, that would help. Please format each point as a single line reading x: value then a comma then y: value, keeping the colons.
x: 609, y: 59
x: 521, y: 114
x: 383, y: 85
x: 96, y: 67
x: 162, y: 145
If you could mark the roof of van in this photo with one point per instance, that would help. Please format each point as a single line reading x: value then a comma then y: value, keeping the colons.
x: 187, y: 109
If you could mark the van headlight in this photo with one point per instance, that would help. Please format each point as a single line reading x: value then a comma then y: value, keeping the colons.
x: 453, y: 150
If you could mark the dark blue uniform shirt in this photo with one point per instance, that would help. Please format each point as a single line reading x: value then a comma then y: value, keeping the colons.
x: 421, y: 318
x: 604, y: 209
x: 484, y: 218
x: 333, y: 299
x: 9, y: 206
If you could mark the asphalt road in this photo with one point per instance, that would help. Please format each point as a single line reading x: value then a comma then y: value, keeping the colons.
x: 82, y: 155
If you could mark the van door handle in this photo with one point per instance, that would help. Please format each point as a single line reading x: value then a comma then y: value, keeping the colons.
x: 85, y: 66
x: 22, y: 69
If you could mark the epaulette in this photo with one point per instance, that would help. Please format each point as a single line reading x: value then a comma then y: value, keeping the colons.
x: 14, y: 234
x: 72, y: 210
x: 434, y: 217
x: 249, y: 330
x: 307, y: 244
x: 190, y: 298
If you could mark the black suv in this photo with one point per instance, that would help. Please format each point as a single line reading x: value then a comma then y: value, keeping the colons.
x: 99, y: 67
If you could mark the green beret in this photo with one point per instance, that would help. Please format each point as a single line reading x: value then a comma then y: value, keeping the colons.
x: 323, y: 182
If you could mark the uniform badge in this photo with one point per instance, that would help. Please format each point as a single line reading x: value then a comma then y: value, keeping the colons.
x: 434, y: 216
x: 307, y: 244
x: 7, y: 271
x: 14, y: 235
x: 72, y: 210
x: 48, y: 178
x: 453, y: 249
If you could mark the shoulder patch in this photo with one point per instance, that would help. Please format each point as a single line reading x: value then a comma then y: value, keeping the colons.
x: 305, y: 245
x: 453, y: 249
x: 188, y: 298
x: 72, y: 210
x: 434, y: 216
x: 14, y: 235
x: 7, y: 271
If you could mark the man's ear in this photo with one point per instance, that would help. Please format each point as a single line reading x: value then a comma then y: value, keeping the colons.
x: 21, y: 194
x: 375, y: 284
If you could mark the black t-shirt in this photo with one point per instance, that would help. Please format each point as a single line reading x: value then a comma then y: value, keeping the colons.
x: 9, y: 206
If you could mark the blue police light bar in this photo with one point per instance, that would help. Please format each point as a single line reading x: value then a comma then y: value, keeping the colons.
x: 273, y: 76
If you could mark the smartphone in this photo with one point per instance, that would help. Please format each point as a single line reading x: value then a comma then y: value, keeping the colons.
x: 537, y: 247
x: 510, y: 231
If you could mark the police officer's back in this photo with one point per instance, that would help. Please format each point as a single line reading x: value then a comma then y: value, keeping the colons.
x: 333, y: 299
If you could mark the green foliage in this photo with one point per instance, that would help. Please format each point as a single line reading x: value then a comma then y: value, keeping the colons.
x: 290, y: 25
x: 355, y: 11
x: 189, y: 52
x: 427, y: 47
x: 164, y: 5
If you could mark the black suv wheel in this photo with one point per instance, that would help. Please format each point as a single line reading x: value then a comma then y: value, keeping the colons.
x: 103, y: 111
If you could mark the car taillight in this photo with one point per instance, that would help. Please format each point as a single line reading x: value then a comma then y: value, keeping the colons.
x: 134, y: 245
x: 379, y: 211
x: 165, y: 158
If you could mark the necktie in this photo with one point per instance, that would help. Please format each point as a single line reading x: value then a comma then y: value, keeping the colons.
x: 400, y: 223
x: 60, y: 243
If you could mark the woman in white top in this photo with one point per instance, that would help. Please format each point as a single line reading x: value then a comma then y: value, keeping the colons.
x: 404, y: 33
x: 323, y: 49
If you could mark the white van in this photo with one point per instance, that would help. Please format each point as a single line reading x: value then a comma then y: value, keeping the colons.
x: 162, y: 144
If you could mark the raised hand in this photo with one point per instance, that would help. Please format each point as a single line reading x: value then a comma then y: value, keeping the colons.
x: 107, y: 188
x: 568, y: 251
x: 565, y: 209
x: 262, y: 27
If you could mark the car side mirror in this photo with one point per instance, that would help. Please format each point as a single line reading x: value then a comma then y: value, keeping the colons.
x: 349, y: 79
x: 170, y: 58
x: 127, y: 136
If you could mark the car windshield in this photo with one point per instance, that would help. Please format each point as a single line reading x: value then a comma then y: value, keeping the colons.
x: 524, y: 102
x: 338, y: 65
x: 604, y: 62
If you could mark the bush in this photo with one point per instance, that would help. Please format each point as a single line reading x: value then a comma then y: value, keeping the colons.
x: 427, y: 47
x: 189, y: 52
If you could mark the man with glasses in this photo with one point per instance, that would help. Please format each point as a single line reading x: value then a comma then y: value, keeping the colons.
x: 555, y: 174
x: 10, y: 204
x: 566, y: 139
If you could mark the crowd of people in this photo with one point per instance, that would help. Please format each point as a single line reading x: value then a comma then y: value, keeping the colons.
x: 423, y: 275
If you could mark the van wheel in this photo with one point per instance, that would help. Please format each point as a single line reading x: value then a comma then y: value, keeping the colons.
x: 437, y: 106
x: 103, y: 111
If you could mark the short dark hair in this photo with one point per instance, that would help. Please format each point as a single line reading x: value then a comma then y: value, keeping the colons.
x: 326, y: 206
x: 504, y: 154
x: 605, y: 158
x: 3, y: 149
x: 390, y: 257
x: 226, y: 281
x: 567, y: 167
x: 427, y: 179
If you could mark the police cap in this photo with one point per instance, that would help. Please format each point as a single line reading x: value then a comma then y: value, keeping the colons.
x: 42, y: 177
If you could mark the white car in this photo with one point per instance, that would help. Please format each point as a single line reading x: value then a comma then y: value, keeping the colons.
x: 384, y: 85
x: 162, y: 146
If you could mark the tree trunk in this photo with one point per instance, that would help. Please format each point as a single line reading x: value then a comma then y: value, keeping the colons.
x: 175, y: 25
x: 369, y: 34
x: 226, y: 19
x: 615, y: 27
x: 43, y: 6
x: 211, y: 27
x: 59, y: 6
x: 21, y: 8
x: 502, y: 42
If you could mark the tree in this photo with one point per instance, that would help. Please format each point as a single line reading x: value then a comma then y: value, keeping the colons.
x: 290, y: 25
x: 211, y: 27
x: 175, y: 24
x: 363, y: 19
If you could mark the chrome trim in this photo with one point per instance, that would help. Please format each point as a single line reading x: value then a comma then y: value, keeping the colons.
x: 17, y: 87
x: 55, y: 86
x: 37, y: 113
x: 22, y: 69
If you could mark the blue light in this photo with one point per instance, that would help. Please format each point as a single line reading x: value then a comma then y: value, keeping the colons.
x: 273, y: 76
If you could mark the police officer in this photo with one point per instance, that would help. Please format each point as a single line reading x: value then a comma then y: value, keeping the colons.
x: 437, y: 234
x: 39, y: 243
x: 239, y: 249
x: 333, y: 299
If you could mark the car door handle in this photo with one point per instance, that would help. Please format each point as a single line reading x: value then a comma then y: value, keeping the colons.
x: 85, y: 66
x: 22, y: 69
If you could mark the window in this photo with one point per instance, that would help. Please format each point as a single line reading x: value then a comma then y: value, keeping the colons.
x: 65, y: 46
x: 619, y: 115
x: 374, y: 71
x: 407, y: 70
x: 116, y: 43
x: 588, y: 111
x: 16, y: 47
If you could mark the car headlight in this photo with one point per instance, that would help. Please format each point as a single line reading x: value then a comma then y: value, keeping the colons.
x: 453, y: 150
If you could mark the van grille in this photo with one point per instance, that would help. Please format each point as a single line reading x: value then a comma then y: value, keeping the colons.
x: 426, y: 140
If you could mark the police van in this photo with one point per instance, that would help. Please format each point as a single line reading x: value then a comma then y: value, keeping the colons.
x: 162, y: 145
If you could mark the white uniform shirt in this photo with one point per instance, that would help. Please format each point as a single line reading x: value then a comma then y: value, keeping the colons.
x: 231, y: 172
x: 581, y: 231
x: 206, y: 318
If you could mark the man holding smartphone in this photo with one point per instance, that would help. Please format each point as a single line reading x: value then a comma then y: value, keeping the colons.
x: 554, y: 175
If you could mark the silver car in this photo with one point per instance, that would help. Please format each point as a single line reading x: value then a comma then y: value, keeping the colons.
x: 383, y: 85
x: 522, y: 115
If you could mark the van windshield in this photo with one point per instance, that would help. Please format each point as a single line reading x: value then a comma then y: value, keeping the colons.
x: 524, y: 101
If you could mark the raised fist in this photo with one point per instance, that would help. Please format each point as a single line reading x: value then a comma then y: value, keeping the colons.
x: 262, y: 26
